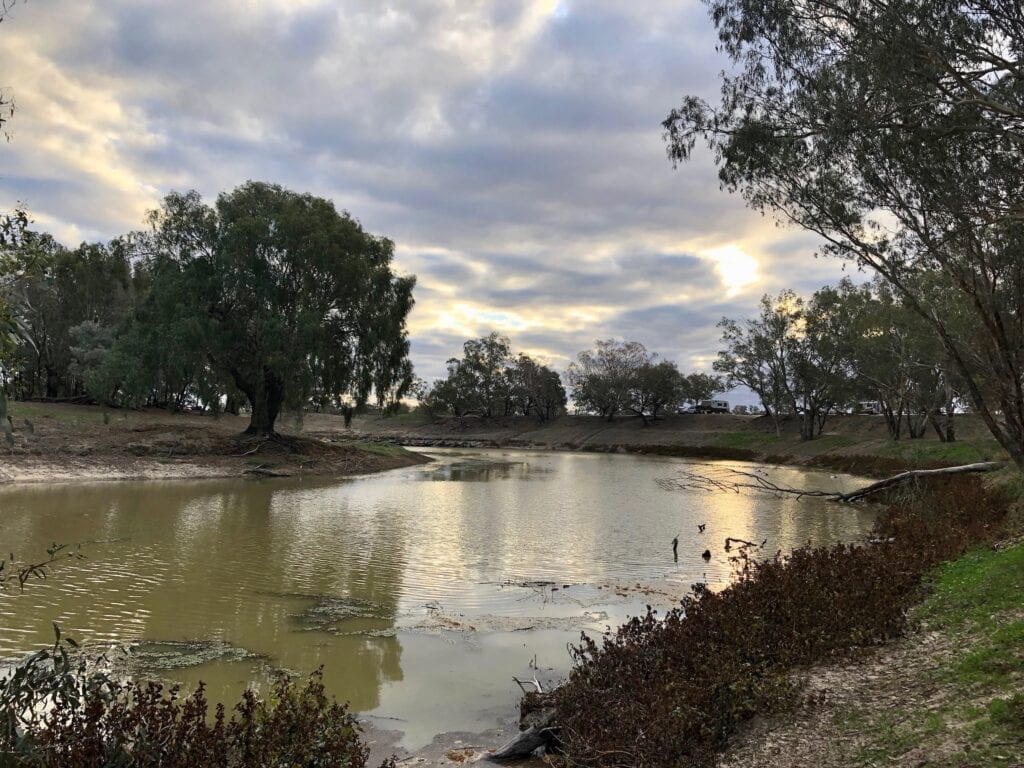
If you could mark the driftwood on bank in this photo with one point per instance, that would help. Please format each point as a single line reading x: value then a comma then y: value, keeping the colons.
x: 735, y: 480
x: 538, y: 723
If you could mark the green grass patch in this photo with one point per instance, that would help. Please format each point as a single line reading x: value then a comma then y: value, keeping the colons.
x: 37, y: 411
x: 744, y: 439
x: 391, y: 450
x: 976, y: 600
x: 960, y: 452
x: 70, y: 414
x: 831, y: 442
x: 412, y: 418
x: 971, y: 592
x: 981, y: 595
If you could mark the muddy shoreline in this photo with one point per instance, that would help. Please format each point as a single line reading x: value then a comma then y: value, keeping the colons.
x: 76, y: 443
x: 62, y: 442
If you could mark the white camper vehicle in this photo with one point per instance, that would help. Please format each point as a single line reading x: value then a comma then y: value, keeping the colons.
x: 713, y: 406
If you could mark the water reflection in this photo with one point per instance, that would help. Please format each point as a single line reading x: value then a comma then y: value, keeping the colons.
x: 412, y: 588
x: 479, y: 469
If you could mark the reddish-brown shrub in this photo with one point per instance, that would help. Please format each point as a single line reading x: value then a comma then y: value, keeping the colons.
x: 666, y: 692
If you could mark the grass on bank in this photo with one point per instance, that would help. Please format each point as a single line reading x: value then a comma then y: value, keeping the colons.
x: 744, y: 439
x: 976, y: 604
x: 391, y: 450
x: 959, y: 452
x: 67, y: 414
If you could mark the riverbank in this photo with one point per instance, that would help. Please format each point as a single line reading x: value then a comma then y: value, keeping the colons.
x: 57, y: 442
x: 949, y: 693
x: 907, y: 651
x: 853, y: 444
x: 61, y: 442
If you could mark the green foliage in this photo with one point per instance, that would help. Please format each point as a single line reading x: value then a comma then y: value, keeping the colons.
x: 489, y: 382
x: 696, y: 387
x: 666, y: 691
x: 891, y: 129
x: 623, y: 376
x: 792, y: 355
x: 6, y: 424
x: 284, y: 296
x: 94, y: 720
x: 52, y: 291
x: 895, y: 358
x: 601, y: 378
x: 269, y: 294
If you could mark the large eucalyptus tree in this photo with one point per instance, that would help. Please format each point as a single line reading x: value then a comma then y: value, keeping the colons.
x: 291, y: 297
x: 893, y: 129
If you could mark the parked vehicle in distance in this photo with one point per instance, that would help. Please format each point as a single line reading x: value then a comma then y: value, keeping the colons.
x: 713, y: 406
x: 870, y: 407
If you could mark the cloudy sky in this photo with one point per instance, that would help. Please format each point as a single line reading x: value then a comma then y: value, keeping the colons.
x: 511, y: 148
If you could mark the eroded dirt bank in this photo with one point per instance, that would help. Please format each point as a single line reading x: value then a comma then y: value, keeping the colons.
x: 56, y: 442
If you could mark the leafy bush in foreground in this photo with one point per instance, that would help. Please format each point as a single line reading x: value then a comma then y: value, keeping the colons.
x: 666, y: 692
x: 106, y: 723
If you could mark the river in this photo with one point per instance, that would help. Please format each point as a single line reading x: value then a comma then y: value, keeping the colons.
x: 422, y: 590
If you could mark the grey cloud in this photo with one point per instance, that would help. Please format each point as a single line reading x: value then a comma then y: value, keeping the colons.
x: 529, y: 176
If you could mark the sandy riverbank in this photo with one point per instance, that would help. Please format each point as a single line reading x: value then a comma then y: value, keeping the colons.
x: 57, y: 443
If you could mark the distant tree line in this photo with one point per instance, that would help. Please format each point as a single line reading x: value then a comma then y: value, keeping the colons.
x: 623, y: 377
x: 612, y: 379
x: 268, y: 297
x: 847, y: 343
x: 489, y: 381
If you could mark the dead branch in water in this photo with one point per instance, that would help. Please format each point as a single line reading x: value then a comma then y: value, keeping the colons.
x: 523, y: 683
x: 743, y: 543
x: 735, y: 480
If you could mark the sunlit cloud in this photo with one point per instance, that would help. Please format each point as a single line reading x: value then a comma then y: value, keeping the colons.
x: 511, y: 148
x: 736, y: 268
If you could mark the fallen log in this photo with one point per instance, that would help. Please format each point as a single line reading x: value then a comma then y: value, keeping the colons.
x: 537, y: 721
x: 524, y: 744
x: 915, y: 474
x: 735, y: 480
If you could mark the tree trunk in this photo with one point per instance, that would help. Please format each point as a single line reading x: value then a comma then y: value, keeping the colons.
x: 51, y: 383
x: 950, y: 434
x: 933, y: 419
x: 265, y: 398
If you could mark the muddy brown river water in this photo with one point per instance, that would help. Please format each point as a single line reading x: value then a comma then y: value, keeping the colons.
x: 422, y: 591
